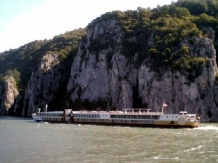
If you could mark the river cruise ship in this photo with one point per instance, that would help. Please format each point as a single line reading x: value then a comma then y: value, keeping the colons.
x: 127, y: 117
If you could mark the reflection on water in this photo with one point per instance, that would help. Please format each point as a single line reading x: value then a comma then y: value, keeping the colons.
x: 207, y: 127
x: 23, y: 140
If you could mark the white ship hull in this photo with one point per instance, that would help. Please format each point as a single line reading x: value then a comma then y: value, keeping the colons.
x: 140, y: 119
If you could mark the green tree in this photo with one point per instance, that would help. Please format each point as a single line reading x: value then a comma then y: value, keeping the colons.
x: 13, y: 73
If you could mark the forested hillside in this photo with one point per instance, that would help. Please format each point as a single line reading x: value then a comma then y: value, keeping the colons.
x: 169, y: 25
x: 115, y: 61
x: 20, y: 62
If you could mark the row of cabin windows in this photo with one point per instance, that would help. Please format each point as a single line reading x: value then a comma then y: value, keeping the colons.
x: 118, y: 116
x: 92, y: 120
x: 136, y: 116
x: 170, y: 117
x: 114, y: 121
x: 86, y: 115
x: 50, y: 114
x: 51, y: 119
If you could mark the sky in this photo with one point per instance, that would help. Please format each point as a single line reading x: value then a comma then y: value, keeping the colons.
x: 24, y: 21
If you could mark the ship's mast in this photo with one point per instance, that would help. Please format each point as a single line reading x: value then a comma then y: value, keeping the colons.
x: 163, y: 106
x: 46, y: 107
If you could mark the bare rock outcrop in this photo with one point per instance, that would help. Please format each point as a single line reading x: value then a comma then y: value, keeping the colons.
x: 43, y: 83
x: 9, y: 95
x: 103, y: 73
x: 107, y: 73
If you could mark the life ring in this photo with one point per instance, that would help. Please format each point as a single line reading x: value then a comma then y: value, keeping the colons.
x: 182, y: 120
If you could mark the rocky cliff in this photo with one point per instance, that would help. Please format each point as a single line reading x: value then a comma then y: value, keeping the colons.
x: 104, y: 74
x: 44, y: 82
x: 114, y: 67
x: 110, y: 75
x: 9, y: 94
x: 40, y: 70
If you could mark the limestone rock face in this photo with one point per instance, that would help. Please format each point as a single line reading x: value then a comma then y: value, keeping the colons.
x: 175, y: 89
x: 9, y: 95
x: 101, y: 71
x: 108, y: 74
x: 103, y: 74
x: 42, y: 85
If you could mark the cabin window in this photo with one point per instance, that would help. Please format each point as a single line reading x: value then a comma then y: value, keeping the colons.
x: 155, y: 117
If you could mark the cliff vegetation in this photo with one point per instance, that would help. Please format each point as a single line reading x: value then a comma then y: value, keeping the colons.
x: 135, y: 58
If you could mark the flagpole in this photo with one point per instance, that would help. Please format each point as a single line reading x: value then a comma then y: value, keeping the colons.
x: 162, y: 107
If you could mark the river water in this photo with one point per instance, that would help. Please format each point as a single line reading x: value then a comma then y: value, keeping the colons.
x: 25, y: 141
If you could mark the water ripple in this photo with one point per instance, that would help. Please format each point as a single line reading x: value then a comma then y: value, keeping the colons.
x: 25, y: 141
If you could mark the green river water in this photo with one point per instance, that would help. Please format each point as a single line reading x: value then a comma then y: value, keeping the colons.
x: 25, y: 141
